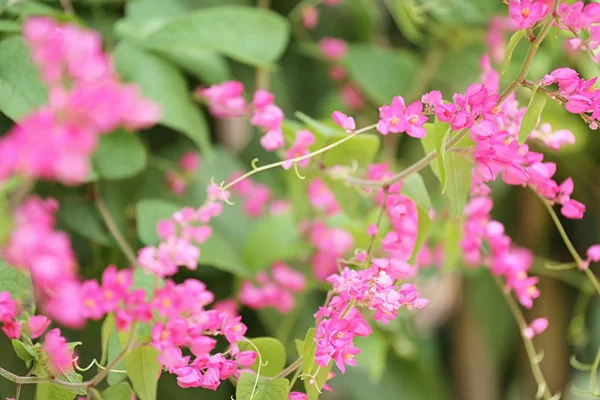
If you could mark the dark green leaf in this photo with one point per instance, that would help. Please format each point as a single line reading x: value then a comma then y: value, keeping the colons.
x: 21, y: 89
x: 381, y: 73
x: 163, y: 83
x: 17, y: 283
x: 459, y: 181
x: 120, y: 155
x: 84, y: 218
x: 512, y: 44
x: 272, y: 352
x: 246, y: 34
x: 220, y: 253
x: 265, y: 389
x: 142, y: 369
x: 532, y: 115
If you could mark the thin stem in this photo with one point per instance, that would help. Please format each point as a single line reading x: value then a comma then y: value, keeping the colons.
x: 569, y: 244
x: 298, y: 159
x: 114, y: 230
x: 379, y: 219
x: 295, y: 378
x: 291, y: 368
x: 529, y: 346
x: 594, y: 373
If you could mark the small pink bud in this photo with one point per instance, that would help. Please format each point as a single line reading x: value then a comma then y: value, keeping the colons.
x: 297, y: 396
x: 373, y: 230
x: 165, y: 228
x: 246, y: 358
x: 310, y: 17
x: 190, y: 161
x: 38, y: 325
x: 593, y: 253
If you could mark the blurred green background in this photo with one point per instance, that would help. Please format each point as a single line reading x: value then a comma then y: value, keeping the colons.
x: 465, y: 345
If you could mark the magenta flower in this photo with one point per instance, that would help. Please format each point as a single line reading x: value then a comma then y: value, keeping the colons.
x: 333, y: 49
x: 398, y: 118
x: 526, y: 12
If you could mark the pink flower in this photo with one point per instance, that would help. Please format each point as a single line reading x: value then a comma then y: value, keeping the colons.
x: 344, y: 121
x: 304, y: 139
x: 59, y: 355
x: 246, y: 358
x: 298, y: 395
x: 268, y: 117
x: 322, y: 198
x: 333, y: 49
x: 526, y: 12
x: 12, y: 329
x: 398, y: 118
x: 310, y: 17
x: 8, y: 307
x: 352, y: 96
x: 536, y: 327
x: 189, y: 162
x: 272, y: 140
x: 225, y: 100
x: 37, y: 325
x: 593, y: 253
x: 288, y: 278
x: 573, y: 209
x: 373, y: 230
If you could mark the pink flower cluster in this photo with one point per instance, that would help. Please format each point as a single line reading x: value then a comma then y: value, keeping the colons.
x: 331, y: 244
x: 580, y: 95
x: 177, y: 179
x: 275, y: 291
x: 60, y: 357
x: 322, y: 198
x: 36, y: 246
x: 226, y: 100
x: 340, y: 321
x: 397, y: 118
x: 526, y: 13
x: 183, y: 322
x: 593, y: 255
x: 8, y: 313
x: 536, y: 327
x: 180, y: 236
x: 257, y: 197
x: 86, y: 99
x: 584, y: 22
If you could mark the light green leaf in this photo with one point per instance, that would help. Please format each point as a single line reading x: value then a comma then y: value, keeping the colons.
x: 274, y: 237
x: 17, y: 283
x: 265, y: 389
x: 246, y: 34
x: 108, y: 326
x: 459, y: 182
x: 452, y: 234
x: 120, y: 155
x: 9, y: 26
x: 24, y: 351
x: 404, y: 14
x: 163, y: 83
x: 148, y: 213
x: 315, y: 126
x: 373, y: 354
x: 51, y: 391
x: 512, y: 44
x: 208, y: 66
x: 533, y: 113
x: 272, y: 353
x: 308, y: 351
x: 219, y: 253
x: 122, y: 391
x: 381, y: 73
x: 440, y: 146
x: 142, y: 369
x: 414, y: 187
x: 114, y: 349
x: 361, y: 149
x: 309, y: 367
x: 423, y: 233
x: 21, y: 89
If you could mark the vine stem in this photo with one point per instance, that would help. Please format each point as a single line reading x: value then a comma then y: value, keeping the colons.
x: 298, y: 159
x: 291, y: 368
x: 386, y: 192
x: 114, y: 230
x: 529, y: 346
x: 569, y: 244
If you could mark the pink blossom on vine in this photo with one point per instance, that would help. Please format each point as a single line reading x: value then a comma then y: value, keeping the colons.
x: 322, y: 198
x: 272, y: 140
x: 246, y: 358
x: 333, y: 49
x: 536, y: 327
x: 331, y: 244
x: 554, y: 140
x: 297, y: 396
x: 37, y: 325
x: 372, y: 230
x: 256, y: 196
x: 268, y: 117
x: 397, y: 118
x: 190, y: 162
x: 310, y: 17
x: 593, y: 253
x: 12, y: 329
x: 344, y: 121
x: 8, y: 307
x: 59, y: 354
x: 527, y: 12
x: 578, y: 16
x: 225, y: 100
x: 304, y: 139
x: 352, y: 96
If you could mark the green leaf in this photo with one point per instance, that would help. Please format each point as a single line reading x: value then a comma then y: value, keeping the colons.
x: 272, y: 353
x: 108, y: 326
x: 208, y: 66
x: 24, y: 351
x: 122, y: 391
x: 373, y: 354
x: 246, y: 34
x: 9, y: 26
x: 120, y: 155
x: 163, y: 83
x: 265, y: 389
x: 84, y: 218
x: 533, y: 113
x: 423, y: 233
x: 309, y: 367
x: 274, y: 237
x: 452, y: 234
x: 440, y: 146
x: 148, y: 213
x: 114, y: 349
x: 414, y: 187
x: 316, y: 126
x: 381, y: 73
x: 512, y: 44
x: 361, y: 149
x: 51, y: 391
x: 16, y: 282
x: 219, y: 253
x: 142, y: 369
x: 404, y: 14
x: 459, y: 182
x: 21, y: 89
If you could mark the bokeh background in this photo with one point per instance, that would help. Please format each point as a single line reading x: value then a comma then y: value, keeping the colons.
x: 465, y: 345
